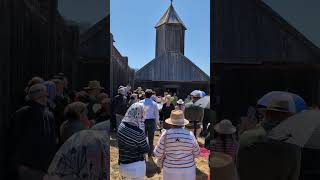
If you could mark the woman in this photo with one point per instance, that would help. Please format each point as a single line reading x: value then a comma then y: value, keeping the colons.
x: 180, y: 105
x: 133, y: 99
x: 166, y: 110
x: 178, y: 148
x: 225, y: 139
x: 76, y: 120
x: 132, y: 144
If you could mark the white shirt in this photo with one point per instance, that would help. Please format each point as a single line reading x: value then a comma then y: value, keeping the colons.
x: 150, y: 109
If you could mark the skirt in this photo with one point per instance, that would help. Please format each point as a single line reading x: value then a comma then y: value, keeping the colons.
x: 179, y: 173
x: 133, y: 171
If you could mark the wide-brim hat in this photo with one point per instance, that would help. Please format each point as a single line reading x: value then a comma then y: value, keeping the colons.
x: 180, y: 101
x: 177, y: 118
x: 94, y: 85
x: 225, y: 127
x: 281, y: 103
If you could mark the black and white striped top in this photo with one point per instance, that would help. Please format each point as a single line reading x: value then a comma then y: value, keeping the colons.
x: 180, y: 148
x: 132, y: 143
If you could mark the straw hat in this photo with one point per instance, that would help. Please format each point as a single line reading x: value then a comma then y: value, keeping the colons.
x: 225, y: 127
x: 177, y: 118
x: 180, y: 101
x: 93, y: 85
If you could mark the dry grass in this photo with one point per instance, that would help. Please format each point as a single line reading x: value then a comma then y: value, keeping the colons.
x: 202, y: 163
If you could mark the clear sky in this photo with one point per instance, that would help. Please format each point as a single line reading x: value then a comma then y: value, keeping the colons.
x: 133, y: 21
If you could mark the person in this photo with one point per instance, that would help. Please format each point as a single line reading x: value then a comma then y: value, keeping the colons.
x: 179, y: 148
x: 76, y: 117
x: 94, y: 89
x: 104, y: 109
x: 262, y: 158
x: 225, y: 139
x: 33, y: 131
x: 195, y: 114
x: 52, y: 93
x: 118, y: 108
x: 33, y: 81
x: 166, y: 110
x: 180, y: 105
x: 61, y: 102
x: 133, y: 99
x: 82, y: 96
x: 85, y: 155
x: 132, y: 144
x: 151, y: 118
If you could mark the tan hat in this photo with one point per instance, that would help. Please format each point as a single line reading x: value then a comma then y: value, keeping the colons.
x: 281, y: 103
x: 225, y: 127
x: 93, y: 85
x: 177, y: 118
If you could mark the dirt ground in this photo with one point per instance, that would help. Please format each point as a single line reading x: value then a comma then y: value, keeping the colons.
x: 151, y: 174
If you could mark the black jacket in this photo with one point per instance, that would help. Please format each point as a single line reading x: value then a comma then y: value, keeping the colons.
x: 33, y: 133
x: 119, y: 105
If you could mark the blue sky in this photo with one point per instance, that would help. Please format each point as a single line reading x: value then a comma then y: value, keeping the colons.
x: 132, y: 25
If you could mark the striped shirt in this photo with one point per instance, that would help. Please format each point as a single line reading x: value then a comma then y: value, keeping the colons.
x: 230, y: 147
x: 180, y: 148
x: 132, y: 143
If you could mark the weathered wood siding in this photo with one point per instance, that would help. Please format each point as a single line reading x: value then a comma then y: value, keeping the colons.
x: 169, y: 38
x: 171, y: 66
x: 248, y: 30
x: 26, y: 50
x: 95, y: 52
x: 255, y: 51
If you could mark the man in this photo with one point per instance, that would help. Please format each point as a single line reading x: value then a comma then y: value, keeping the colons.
x: 94, y: 89
x: 260, y: 157
x: 118, y: 108
x: 151, y: 118
x: 194, y: 114
x: 33, y: 131
x: 61, y: 102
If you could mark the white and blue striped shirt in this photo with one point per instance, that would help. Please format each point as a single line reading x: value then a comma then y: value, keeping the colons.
x: 180, y: 148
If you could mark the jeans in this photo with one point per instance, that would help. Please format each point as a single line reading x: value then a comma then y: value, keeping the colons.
x: 150, y: 128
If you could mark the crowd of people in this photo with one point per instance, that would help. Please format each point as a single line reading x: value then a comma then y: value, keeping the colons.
x: 63, y: 134
x: 177, y: 147
x: 59, y: 133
